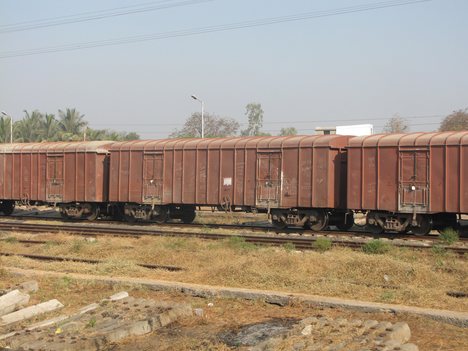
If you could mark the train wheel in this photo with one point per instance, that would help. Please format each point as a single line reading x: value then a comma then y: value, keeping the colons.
x: 92, y: 215
x: 425, y: 226
x: 160, y: 217
x: 321, y: 221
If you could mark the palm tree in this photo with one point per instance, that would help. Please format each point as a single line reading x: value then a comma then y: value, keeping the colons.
x: 28, y: 129
x: 71, y: 123
x: 96, y: 134
x: 4, y: 130
x: 49, y: 127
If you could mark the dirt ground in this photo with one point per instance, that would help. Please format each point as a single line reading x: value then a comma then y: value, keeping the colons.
x: 222, y: 321
x: 418, y: 278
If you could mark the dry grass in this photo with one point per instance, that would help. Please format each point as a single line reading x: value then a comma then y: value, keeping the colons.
x: 399, y: 276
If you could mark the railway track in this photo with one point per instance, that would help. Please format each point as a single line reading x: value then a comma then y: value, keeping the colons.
x: 258, y: 226
x: 84, y: 260
x: 344, y: 239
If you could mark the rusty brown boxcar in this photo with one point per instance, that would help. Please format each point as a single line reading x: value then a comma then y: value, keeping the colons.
x: 72, y: 175
x: 415, y: 181
x: 300, y: 180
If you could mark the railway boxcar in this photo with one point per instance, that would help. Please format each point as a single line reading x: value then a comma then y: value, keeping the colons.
x: 299, y: 180
x: 71, y: 175
x: 416, y: 181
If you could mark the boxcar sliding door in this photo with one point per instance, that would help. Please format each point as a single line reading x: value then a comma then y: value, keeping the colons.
x: 268, y: 187
x: 153, y: 178
x: 414, y: 180
x: 54, y: 178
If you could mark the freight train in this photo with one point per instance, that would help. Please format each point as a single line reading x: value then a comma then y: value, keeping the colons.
x: 401, y: 182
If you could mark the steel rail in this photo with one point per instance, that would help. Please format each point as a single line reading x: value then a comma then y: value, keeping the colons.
x: 268, y: 229
x: 85, y: 260
x: 299, y: 242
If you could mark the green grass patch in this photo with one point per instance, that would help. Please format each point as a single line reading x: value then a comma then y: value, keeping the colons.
x: 289, y: 247
x: 387, y: 295
x: 91, y: 323
x: 376, y: 247
x: 239, y: 243
x: 11, y: 240
x: 438, y: 250
x: 322, y: 244
x: 449, y: 236
x: 76, y: 246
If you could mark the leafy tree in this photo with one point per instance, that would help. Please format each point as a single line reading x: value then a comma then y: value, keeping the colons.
x: 131, y: 136
x: 288, y: 131
x: 5, y: 129
x: 49, y: 127
x: 458, y: 120
x: 104, y: 134
x: 254, y: 113
x: 214, y: 127
x: 36, y: 126
x: 71, y: 124
x: 396, y: 124
x: 96, y: 134
x: 28, y: 129
x: 121, y: 136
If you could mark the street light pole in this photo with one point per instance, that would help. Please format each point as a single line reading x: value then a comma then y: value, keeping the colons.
x: 202, y: 115
x: 11, y: 126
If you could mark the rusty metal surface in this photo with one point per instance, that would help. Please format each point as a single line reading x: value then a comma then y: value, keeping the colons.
x: 415, y: 172
x: 54, y: 172
x: 295, y: 171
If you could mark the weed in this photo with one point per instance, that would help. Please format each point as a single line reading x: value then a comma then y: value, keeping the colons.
x: 76, y: 246
x: 376, y: 246
x: 289, y: 247
x: 49, y: 244
x: 63, y: 283
x: 322, y: 244
x: 438, y: 250
x: 11, y: 240
x: 449, y: 236
x: 239, y: 243
x: 387, y: 295
x: 91, y: 323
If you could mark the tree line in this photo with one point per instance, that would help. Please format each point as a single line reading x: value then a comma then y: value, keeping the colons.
x: 216, y: 126
x: 457, y: 120
x: 69, y: 125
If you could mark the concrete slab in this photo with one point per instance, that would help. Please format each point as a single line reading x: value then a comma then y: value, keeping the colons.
x: 98, y: 328
x: 30, y: 312
x: 12, y: 301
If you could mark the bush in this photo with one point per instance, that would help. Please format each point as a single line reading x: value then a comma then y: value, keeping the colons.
x: 322, y: 244
x: 449, y: 236
x: 376, y: 246
x: 239, y: 243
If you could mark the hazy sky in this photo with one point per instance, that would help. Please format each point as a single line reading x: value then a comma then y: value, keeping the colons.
x: 360, y: 67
